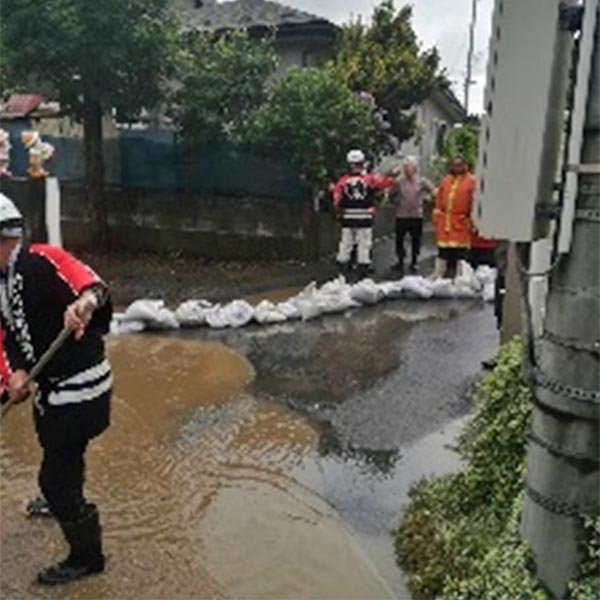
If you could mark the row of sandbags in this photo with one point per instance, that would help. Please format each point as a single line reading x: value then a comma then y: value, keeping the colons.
x: 333, y: 297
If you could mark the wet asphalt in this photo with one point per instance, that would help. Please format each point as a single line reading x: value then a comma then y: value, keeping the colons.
x: 387, y: 388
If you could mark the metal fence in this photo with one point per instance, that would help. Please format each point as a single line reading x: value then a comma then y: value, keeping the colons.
x: 154, y: 160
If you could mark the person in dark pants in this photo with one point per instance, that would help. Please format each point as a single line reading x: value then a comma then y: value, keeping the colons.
x: 408, y: 194
x: 42, y: 290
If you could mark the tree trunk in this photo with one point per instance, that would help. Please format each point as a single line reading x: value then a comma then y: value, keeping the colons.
x: 94, y: 171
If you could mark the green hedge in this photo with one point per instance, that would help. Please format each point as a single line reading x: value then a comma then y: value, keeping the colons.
x: 459, y: 537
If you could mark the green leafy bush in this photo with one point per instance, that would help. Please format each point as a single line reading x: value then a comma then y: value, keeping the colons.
x: 313, y: 120
x: 459, y: 538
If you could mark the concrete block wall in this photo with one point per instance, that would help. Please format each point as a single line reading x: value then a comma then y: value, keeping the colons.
x: 167, y: 222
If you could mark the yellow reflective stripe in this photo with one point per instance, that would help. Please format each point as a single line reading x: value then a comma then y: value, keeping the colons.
x: 450, y: 202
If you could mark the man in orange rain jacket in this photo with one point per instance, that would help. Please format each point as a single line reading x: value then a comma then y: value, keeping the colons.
x: 452, y: 218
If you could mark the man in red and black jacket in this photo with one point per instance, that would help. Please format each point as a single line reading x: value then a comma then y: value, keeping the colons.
x: 42, y: 290
x: 354, y: 197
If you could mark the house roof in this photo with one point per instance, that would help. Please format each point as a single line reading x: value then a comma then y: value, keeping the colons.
x: 210, y: 15
x: 21, y: 105
x: 447, y: 101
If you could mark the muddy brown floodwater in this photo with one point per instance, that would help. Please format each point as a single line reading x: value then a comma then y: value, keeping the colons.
x: 194, y: 484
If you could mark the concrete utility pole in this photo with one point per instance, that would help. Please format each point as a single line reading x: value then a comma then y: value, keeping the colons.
x: 563, y: 455
x: 470, y: 51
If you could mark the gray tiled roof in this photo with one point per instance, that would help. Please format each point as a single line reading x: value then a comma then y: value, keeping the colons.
x: 240, y: 14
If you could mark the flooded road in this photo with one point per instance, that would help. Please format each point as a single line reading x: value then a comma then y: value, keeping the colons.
x: 259, y: 464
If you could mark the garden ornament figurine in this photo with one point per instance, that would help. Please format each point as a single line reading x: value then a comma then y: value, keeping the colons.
x: 4, y: 153
x: 39, y: 153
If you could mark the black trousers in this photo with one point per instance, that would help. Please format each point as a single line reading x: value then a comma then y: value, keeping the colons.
x: 452, y: 256
x: 482, y: 256
x: 414, y: 227
x: 64, y: 433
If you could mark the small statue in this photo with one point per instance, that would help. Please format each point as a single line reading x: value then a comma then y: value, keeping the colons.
x: 39, y: 153
x: 5, y: 147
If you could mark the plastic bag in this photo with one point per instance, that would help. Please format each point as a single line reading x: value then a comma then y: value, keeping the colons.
x: 392, y: 289
x: 486, y: 274
x: 443, y: 288
x: 267, y: 312
x: 289, y: 309
x: 238, y: 313
x: 489, y: 292
x: 335, y: 296
x: 367, y: 292
x: 151, y: 312
x: 416, y: 286
x: 467, y: 278
x: 120, y: 327
x: 192, y: 313
x: 215, y: 318
x: 307, y: 302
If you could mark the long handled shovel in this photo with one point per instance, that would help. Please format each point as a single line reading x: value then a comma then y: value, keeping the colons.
x: 60, y: 339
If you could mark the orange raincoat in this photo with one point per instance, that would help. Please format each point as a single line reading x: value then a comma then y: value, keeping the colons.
x: 452, y: 212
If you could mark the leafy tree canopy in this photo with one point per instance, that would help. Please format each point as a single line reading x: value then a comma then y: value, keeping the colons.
x: 461, y: 141
x: 385, y: 59
x: 113, y: 52
x: 222, y: 80
x: 313, y: 120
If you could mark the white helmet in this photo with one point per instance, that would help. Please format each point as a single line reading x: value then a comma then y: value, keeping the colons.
x: 11, y: 219
x: 355, y: 157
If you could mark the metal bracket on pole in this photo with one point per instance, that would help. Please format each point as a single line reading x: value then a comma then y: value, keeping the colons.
x: 584, y: 70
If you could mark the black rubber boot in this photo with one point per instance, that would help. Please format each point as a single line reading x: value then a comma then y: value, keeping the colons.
x: 85, y: 558
x: 38, y: 507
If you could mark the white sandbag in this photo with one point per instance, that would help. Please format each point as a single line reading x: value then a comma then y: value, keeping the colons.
x: 119, y: 327
x: 164, y: 320
x: 215, y: 318
x: 367, y: 292
x: 443, y: 288
x: 486, y: 274
x: 151, y: 312
x: 416, y: 286
x: 289, y: 309
x: 309, y: 309
x: 392, y: 289
x: 336, y: 303
x: 489, y: 292
x: 464, y: 292
x: 335, y: 286
x: 142, y: 310
x: 307, y: 302
x: 335, y: 296
x: 192, y: 313
x: 467, y: 278
x: 267, y: 313
x: 238, y: 313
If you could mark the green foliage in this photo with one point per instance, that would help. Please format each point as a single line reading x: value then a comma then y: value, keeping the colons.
x: 223, y: 80
x: 502, y: 572
x: 313, y: 120
x: 452, y: 522
x: 463, y: 141
x: 111, y: 52
x: 459, y: 539
x: 587, y: 587
x: 385, y: 59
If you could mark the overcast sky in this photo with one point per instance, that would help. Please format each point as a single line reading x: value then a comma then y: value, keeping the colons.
x: 440, y: 23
